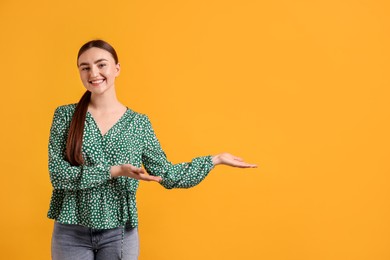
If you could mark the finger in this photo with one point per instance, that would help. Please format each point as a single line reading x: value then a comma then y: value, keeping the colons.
x: 146, y: 177
x: 238, y: 159
x: 247, y: 165
x: 136, y: 170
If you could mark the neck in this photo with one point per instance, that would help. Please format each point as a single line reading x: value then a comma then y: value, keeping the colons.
x: 105, y: 102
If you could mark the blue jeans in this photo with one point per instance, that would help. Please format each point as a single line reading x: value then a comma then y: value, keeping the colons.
x: 74, y: 242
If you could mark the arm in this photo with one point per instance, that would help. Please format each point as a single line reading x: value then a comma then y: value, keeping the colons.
x: 63, y: 175
x: 182, y: 175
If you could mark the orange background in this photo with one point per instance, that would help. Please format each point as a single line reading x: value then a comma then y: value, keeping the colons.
x: 299, y: 87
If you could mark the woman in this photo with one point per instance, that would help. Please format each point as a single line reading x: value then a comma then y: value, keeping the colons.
x: 96, y: 150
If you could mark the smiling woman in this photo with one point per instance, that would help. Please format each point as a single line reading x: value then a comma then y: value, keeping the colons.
x: 96, y: 150
x: 98, y: 70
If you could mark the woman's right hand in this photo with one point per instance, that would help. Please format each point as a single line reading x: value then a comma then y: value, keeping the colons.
x: 131, y: 171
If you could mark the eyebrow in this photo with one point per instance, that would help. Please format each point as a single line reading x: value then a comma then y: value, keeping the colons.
x: 86, y: 64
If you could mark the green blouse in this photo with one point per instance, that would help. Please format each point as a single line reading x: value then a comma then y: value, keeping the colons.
x: 86, y: 195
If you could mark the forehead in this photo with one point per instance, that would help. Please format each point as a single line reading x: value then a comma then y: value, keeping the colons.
x: 93, y: 54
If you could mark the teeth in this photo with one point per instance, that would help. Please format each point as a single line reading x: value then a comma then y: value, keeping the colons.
x: 97, y: 81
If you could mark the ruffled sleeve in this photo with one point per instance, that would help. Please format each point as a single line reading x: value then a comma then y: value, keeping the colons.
x: 181, y: 175
x: 63, y: 175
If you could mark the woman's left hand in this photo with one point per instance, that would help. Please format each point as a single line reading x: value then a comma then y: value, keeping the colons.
x: 231, y: 160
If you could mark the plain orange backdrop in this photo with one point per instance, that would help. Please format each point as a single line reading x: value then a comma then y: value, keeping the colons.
x: 299, y: 87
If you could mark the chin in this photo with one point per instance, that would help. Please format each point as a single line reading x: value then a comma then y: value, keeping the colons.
x: 98, y: 91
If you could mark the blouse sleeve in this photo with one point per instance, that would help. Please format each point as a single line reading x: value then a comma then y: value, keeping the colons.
x: 63, y: 175
x: 182, y: 175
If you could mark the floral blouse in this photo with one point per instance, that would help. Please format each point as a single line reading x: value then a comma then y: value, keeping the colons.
x: 86, y: 194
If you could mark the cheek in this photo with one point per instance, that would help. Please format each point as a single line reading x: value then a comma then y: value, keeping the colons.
x: 84, y: 81
x: 84, y: 78
x: 109, y: 73
x: 82, y: 75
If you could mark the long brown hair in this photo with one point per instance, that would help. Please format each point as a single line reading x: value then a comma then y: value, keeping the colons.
x: 76, y: 130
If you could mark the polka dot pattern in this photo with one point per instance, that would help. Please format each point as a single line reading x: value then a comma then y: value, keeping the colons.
x: 86, y: 195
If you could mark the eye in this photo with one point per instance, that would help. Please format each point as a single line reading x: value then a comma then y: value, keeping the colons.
x: 101, y: 65
x: 85, y: 68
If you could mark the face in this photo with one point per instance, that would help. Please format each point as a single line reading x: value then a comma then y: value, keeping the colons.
x: 98, y: 70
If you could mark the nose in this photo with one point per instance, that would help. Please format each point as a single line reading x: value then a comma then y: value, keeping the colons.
x: 94, y: 71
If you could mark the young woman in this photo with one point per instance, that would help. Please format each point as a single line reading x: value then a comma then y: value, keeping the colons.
x: 96, y: 150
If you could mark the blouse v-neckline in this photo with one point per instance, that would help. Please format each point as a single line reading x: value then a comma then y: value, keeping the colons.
x: 112, y: 127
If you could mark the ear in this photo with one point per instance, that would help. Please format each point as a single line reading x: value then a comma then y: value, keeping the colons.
x: 118, y: 69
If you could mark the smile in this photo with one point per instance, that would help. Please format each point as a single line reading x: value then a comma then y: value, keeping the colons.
x: 98, y: 81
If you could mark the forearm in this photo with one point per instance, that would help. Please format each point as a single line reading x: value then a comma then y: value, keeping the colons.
x: 216, y: 159
x: 185, y: 175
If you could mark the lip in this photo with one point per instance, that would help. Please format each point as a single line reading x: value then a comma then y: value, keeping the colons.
x: 96, y: 82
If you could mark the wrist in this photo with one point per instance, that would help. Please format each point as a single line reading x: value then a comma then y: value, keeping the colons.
x: 216, y: 160
x: 115, y: 171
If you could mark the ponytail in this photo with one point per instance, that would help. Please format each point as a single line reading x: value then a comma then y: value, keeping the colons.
x: 76, y: 130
